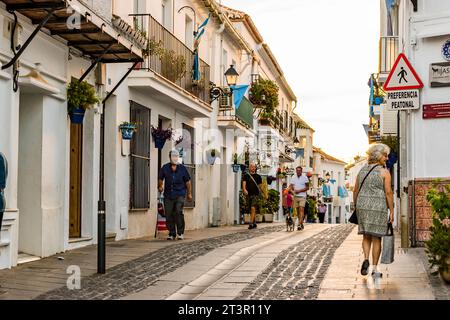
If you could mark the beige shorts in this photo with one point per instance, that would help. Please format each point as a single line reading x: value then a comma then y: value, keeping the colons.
x: 299, y: 201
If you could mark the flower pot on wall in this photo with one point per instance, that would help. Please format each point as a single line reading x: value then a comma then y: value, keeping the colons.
x: 268, y: 217
x: 76, y: 115
x: 259, y: 218
x: 159, y: 143
x: 247, y: 218
x: 127, y: 131
x: 377, y: 101
x: 236, y: 168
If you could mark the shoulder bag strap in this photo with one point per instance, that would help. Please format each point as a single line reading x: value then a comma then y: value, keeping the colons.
x: 362, y: 183
x: 255, y: 183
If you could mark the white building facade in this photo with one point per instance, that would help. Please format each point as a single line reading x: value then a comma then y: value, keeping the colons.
x: 421, y: 30
x: 331, y: 173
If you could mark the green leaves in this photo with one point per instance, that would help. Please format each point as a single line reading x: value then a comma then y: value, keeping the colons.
x: 81, y: 95
x: 438, y: 247
x: 264, y: 93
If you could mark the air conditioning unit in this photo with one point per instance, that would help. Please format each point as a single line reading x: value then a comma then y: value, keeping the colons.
x: 225, y: 101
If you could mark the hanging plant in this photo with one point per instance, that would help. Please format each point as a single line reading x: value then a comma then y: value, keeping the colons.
x: 161, y: 135
x: 264, y: 94
x: 128, y: 129
x: 80, y: 97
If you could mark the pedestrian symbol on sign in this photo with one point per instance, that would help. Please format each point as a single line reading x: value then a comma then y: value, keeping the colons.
x: 402, y: 75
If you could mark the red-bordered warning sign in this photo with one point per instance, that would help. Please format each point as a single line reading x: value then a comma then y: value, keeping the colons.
x: 402, y: 76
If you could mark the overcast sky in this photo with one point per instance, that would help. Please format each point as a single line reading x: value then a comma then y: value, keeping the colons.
x: 327, y: 50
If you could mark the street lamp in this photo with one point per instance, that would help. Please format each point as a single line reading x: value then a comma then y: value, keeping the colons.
x: 231, y: 76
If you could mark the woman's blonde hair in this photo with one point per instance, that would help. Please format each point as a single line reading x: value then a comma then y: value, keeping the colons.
x: 376, y: 151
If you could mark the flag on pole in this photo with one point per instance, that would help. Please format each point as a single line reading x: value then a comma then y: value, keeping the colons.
x: 198, y: 34
x: 238, y: 94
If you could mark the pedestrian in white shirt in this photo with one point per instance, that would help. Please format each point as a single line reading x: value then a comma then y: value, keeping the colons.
x: 299, y: 185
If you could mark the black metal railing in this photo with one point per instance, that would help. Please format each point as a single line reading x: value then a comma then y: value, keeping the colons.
x: 243, y: 115
x: 171, y: 58
x: 388, y: 53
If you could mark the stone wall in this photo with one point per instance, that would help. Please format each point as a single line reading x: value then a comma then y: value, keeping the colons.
x: 423, y: 211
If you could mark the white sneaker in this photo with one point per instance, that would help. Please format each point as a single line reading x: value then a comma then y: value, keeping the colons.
x: 170, y: 238
x: 181, y: 237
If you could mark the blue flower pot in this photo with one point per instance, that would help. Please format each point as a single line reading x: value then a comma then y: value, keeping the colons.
x: 77, y: 115
x: 236, y: 168
x: 127, y: 131
x: 377, y: 101
x: 159, y: 143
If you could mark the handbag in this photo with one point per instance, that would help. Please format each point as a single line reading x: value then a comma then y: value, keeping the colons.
x: 387, y: 255
x: 354, y: 218
x: 161, y: 210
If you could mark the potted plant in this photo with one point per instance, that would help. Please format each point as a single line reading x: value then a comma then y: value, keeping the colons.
x: 312, y: 210
x: 438, y: 246
x: 161, y: 135
x: 243, y: 207
x: 264, y: 94
x: 273, y: 205
x: 173, y: 66
x: 80, y: 97
x: 128, y: 129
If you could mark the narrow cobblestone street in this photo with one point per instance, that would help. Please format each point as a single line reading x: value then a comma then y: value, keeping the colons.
x: 269, y: 263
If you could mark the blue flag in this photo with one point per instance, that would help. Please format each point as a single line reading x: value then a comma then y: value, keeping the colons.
x: 238, y: 94
x: 198, y: 34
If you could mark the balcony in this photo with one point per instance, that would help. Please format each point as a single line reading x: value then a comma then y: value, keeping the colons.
x: 171, y: 58
x: 388, y: 54
x: 230, y: 117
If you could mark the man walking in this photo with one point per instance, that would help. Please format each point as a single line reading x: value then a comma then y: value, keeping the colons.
x: 3, y: 176
x: 299, y: 185
x: 177, y: 187
x: 251, y: 187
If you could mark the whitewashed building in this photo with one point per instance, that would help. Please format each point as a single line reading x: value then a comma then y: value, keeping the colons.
x: 43, y: 148
x: 420, y: 30
x: 331, y: 172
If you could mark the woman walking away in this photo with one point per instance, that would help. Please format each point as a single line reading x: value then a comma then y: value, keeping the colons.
x: 373, y: 197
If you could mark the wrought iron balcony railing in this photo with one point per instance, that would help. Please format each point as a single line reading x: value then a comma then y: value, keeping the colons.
x: 243, y: 115
x: 171, y: 58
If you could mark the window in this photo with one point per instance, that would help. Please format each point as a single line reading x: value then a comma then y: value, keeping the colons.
x: 189, y: 32
x: 224, y: 66
x: 166, y: 14
x: 189, y: 161
x: 140, y: 158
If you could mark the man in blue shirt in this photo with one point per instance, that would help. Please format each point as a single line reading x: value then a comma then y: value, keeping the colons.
x: 3, y: 176
x: 177, y: 187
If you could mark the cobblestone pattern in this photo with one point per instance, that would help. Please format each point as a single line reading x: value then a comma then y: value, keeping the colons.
x: 136, y: 275
x: 298, y: 271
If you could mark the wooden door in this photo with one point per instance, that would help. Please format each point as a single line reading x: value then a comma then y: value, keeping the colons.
x: 76, y: 144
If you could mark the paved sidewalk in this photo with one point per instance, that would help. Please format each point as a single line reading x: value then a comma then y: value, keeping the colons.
x: 405, y: 279
x: 224, y: 272
x: 33, y: 279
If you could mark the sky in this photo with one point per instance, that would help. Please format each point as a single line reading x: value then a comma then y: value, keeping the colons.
x: 327, y: 50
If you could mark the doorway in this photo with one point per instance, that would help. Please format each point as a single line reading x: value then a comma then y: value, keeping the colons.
x: 76, y: 151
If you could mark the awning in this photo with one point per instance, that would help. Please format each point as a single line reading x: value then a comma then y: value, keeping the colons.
x: 94, y: 36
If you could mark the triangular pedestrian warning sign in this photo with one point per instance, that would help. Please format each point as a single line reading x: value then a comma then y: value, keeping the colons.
x: 402, y: 76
